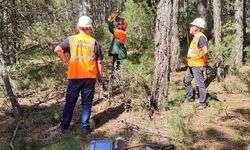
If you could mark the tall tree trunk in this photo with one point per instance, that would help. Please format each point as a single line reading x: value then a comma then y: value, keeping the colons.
x: 201, y: 8
x: 244, y: 19
x: 15, y: 33
x: 217, y: 22
x: 187, y: 23
x: 161, y: 78
x: 237, y: 54
x: 174, y: 39
x: 5, y: 32
x: 84, y: 7
x: 7, y: 85
x: 217, y: 39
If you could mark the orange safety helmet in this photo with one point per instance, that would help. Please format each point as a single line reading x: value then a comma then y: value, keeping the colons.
x: 122, y: 25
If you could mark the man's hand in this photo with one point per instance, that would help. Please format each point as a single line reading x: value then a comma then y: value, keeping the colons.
x: 61, y: 55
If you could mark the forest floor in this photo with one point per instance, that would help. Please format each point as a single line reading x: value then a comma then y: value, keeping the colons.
x: 224, y: 125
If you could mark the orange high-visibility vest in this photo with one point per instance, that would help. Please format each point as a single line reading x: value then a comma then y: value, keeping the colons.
x: 194, y: 56
x: 82, y: 63
x: 121, y: 36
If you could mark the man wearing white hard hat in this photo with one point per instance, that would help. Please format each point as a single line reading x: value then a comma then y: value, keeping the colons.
x: 84, y: 67
x: 196, y: 61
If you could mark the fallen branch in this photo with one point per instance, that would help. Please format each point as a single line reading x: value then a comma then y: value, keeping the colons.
x: 45, y: 99
x: 14, y: 134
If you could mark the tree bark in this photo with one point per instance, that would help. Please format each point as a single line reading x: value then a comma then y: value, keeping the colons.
x: 217, y: 21
x: 244, y: 19
x: 7, y: 85
x: 84, y: 7
x: 217, y: 39
x: 161, y: 77
x: 99, y: 10
x: 201, y: 8
x: 237, y: 54
x: 174, y: 39
x: 14, y: 28
x: 187, y: 23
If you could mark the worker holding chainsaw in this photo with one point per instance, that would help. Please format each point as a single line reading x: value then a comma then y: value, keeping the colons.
x: 197, y: 60
x: 117, y: 27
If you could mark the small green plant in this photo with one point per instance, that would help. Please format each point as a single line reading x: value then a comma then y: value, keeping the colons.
x: 241, y: 131
x: 175, y: 98
x: 179, y: 127
x: 246, y: 53
x: 215, y: 103
x: 52, y: 113
x: 3, y: 146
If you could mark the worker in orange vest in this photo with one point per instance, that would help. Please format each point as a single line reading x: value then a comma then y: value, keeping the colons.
x: 84, y: 67
x: 117, y: 48
x: 197, y: 59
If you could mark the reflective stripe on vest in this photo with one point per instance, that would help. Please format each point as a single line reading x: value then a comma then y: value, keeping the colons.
x: 82, y: 62
x: 121, y: 36
x: 194, y: 55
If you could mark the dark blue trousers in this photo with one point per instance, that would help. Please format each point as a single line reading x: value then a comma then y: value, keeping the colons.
x: 74, y: 87
x: 197, y: 74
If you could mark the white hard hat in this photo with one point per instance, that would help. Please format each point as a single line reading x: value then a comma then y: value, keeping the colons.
x: 84, y: 21
x: 199, y: 22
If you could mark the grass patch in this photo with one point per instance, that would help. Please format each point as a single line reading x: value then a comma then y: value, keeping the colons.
x: 67, y: 143
x: 234, y: 85
x: 3, y: 146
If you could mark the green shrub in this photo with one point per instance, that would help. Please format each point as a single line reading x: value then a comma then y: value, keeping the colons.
x: 137, y: 77
x: 52, y: 113
x: 140, y: 20
x: 38, y: 75
x: 104, y: 37
x: 42, y: 37
x: 227, y: 47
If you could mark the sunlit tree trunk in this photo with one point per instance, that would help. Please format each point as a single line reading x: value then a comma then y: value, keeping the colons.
x: 201, y: 8
x: 217, y: 39
x: 245, y: 2
x: 237, y: 54
x: 7, y: 85
x: 84, y: 7
x: 161, y: 77
x: 187, y: 22
x: 174, y: 38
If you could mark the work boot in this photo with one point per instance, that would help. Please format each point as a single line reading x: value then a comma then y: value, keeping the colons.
x: 86, y: 130
x: 62, y: 131
x: 189, y: 100
x: 202, y: 106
